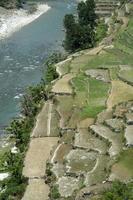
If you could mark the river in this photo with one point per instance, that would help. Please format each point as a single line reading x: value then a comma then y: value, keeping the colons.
x: 23, y: 54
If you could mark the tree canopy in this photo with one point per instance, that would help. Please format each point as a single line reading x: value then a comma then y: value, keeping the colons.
x: 10, y: 3
x: 80, y: 31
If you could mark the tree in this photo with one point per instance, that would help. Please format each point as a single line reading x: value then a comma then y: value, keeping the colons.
x: 86, y: 13
x: 101, y: 30
x: 69, y: 22
x: 80, y: 33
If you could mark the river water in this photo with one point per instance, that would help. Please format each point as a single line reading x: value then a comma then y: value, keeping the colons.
x: 23, y: 54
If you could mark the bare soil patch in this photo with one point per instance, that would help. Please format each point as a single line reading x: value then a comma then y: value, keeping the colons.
x: 36, y: 190
x: 120, y: 92
x: 37, y: 155
x: 62, y: 86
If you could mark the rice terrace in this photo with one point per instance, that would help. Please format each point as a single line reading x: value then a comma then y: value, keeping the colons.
x: 81, y: 140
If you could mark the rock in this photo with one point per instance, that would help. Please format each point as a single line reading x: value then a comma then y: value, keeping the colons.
x: 67, y: 185
x: 14, y: 150
x: 129, y: 118
x: 115, y: 124
x: 99, y: 74
x: 120, y: 110
x: 115, y: 139
x: 85, y: 139
x: 80, y: 161
x: 129, y: 135
x: 101, y: 117
x: 3, y: 176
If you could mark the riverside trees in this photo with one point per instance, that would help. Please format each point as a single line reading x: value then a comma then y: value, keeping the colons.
x: 80, y: 31
x: 9, y: 4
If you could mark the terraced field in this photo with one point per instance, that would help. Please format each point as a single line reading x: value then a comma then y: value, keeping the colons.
x: 91, y: 112
x: 98, y: 92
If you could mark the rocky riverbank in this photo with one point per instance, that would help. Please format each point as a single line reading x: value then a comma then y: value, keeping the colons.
x: 13, y: 20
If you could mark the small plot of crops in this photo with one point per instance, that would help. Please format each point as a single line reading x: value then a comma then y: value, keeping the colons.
x: 120, y: 92
x: 61, y: 151
x: 47, y: 122
x: 81, y: 88
x: 104, y: 60
x: 37, y: 155
x: 68, y: 136
x: 124, y: 40
x: 54, y: 124
x: 98, y: 92
x: 36, y: 189
x: 99, y: 172
x: 127, y: 76
x: 58, y: 159
x: 80, y: 161
x: 114, y: 138
x: 65, y: 106
x: 85, y: 139
x: 80, y: 63
x: 95, y: 94
x: 63, y: 67
x: 41, y: 122
x: 123, y: 169
x: 84, y: 124
x: 114, y: 70
x: 75, y: 118
x: 63, y: 86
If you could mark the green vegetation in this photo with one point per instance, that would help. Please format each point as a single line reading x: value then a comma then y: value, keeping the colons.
x: 51, y: 73
x: 101, y: 30
x: 119, y: 191
x: 98, y: 92
x: 124, y: 39
x: 86, y: 13
x: 80, y: 33
x: 127, y: 76
x: 125, y: 159
x: 54, y: 193
x: 95, y: 92
x: 10, y: 3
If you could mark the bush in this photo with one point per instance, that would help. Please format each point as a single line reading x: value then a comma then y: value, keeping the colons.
x: 80, y: 32
x: 101, y: 30
x: 119, y: 191
x: 51, y: 73
x: 54, y: 194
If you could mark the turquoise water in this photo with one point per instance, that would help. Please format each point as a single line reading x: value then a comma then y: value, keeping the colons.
x: 22, y: 56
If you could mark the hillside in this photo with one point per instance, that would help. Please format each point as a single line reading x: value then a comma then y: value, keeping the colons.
x: 90, y: 113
